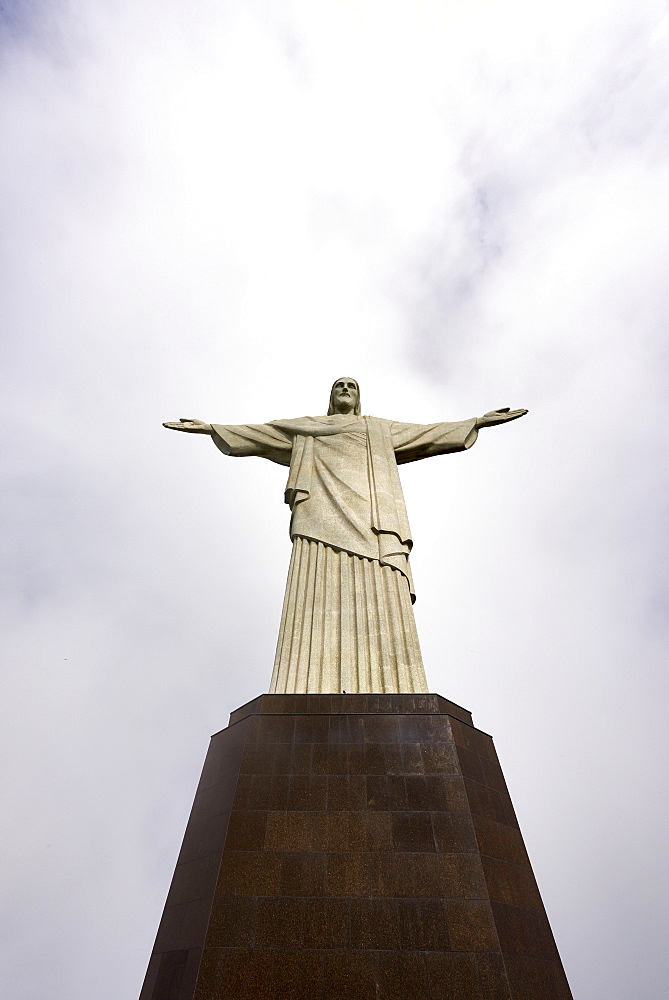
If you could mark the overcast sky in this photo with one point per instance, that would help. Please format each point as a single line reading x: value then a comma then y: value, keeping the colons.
x: 213, y: 209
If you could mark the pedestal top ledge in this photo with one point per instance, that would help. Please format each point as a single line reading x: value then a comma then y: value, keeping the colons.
x: 351, y: 704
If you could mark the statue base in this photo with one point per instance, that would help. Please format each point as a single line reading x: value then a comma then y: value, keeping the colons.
x: 353, y: 846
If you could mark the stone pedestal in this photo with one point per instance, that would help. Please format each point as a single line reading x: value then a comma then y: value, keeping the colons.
x: 353, y: 847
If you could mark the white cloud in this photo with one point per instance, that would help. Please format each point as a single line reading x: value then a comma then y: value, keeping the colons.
x: 213, y: 210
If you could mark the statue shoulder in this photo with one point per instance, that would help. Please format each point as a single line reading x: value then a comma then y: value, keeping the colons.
x: 381, y: 421
x: 299, y: 425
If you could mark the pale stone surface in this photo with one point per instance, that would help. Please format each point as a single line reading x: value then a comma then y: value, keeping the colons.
x: 347, y: 625
x: 347, y: 621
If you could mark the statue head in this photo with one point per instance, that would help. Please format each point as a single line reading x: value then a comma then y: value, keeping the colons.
x: 345, y: 397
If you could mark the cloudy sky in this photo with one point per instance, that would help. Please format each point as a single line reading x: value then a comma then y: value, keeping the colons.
x: 213, y: 209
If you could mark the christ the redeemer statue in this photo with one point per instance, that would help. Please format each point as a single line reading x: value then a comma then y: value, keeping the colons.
x: 347, y: 622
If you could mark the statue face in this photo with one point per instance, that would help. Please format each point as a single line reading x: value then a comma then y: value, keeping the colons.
x: 345, y: 395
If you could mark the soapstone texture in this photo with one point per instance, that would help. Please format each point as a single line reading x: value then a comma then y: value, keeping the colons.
x: 347, y: 625
x: 347, y: 622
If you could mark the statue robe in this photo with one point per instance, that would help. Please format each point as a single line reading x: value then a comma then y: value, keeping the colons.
x: 347, y: 621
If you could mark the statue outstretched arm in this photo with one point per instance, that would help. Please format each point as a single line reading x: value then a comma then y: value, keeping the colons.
x: 412, y: 442
x: 493, y: 417
x: 241, y: 440
x: 190, y: 424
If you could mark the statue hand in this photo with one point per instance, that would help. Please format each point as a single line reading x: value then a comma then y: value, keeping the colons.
x: 499, y: 417
x: 193, y: 426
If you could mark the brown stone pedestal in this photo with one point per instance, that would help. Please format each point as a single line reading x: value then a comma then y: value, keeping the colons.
x: 353, y: 847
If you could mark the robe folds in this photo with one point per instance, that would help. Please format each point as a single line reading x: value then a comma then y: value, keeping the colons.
x: 347, y: 621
